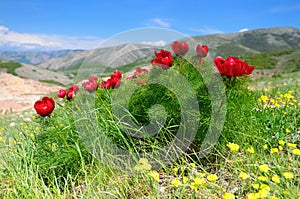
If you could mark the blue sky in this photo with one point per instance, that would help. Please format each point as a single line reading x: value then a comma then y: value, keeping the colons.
x: 59, y: 24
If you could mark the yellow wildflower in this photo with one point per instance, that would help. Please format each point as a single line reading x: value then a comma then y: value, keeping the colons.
x: 193, y: 165
x: 263, y: 193
x: 255, y: 186
x: 266, y: 187
x: 291, y: 145
x: 200, y: 181
x: 274, y: 150
x: 264, y: 168
x: 275, y: 178
x: 281, y: 142
x: 244, y: 175
x: 250, y: 150
x: 288, y: 175
x: 176, y: 182
x: 296, y: 151
x: 233, y: 147
x: 228, y: 196
x: 146, y: 167
x: 263, y: 98
x: 252, y: 196
x: 277, y: 105
x: 175, y: 169
x: 143, y: 161
x: 185, y: 180
x: 154, y: 174
x: 265, y: 146
x: 197, y: 183
x: 262, y: 178
x: 212, y: 178
x: 138, y: 167
x: 287, y: 130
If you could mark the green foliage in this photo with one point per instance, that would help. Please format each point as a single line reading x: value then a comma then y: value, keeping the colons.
x: 288, y: 60
x: 52, y: 82
x: 55, y: 163
x: 10, y: 67
x: 58, y: 152
x: 146, y: 96
x: 228, y: 49
x: 261, y: 60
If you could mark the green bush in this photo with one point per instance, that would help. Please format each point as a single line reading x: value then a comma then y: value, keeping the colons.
x: 159, y: 94
x: 58, y: 151
x: 10, y: 67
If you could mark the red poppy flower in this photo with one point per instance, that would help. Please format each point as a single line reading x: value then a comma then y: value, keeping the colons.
x: 163, y: 59
x: 116, y: 74
x: 202, y: 50
x: 113, y: 82
x: 233, y: 67
x: 75, y: 88
x: 180, y: 48
x: 62, y: 93
x: 70, y: 94
x: 91, y: 84
x: 45, y: 106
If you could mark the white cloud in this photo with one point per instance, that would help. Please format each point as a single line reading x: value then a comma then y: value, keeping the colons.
x: 3, y: 29
x: 244, y: 30
x: 24, y: 41
x: 155, y: 43
x: 161, y: 22
x: 207, y: 31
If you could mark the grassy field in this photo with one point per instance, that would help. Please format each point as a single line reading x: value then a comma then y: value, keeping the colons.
x: 256, y: 156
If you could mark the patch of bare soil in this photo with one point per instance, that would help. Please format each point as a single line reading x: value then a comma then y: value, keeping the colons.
x: 17, y: 94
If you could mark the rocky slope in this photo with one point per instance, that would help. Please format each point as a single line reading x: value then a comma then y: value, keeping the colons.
x: 19, y: 94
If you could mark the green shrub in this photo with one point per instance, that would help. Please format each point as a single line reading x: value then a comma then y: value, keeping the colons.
x: 58, y: 152
x: 159, y: 94
x: 10, y: 67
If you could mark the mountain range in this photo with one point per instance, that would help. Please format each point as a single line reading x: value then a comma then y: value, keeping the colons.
x: 235, y: 44
x: 34, y: 58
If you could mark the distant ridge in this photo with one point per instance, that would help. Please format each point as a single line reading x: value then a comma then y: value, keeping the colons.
x: 35, y: 57
x: 232, y: 44
x: 252, y: 41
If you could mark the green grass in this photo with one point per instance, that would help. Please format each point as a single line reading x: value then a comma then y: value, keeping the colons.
x: 45, y: 157
x: 10, y: 67
x: 284, y: 61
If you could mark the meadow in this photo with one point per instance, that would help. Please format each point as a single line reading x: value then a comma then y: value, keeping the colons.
x: 256, y: 154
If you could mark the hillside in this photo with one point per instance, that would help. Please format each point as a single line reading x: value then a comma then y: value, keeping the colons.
x: 272, y: 51
x: 110, y: 56
x: 28, y: 71
x: 35, y: 57
x: 235, y: 44
x: 252, y: 41
x: 20, y: 94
